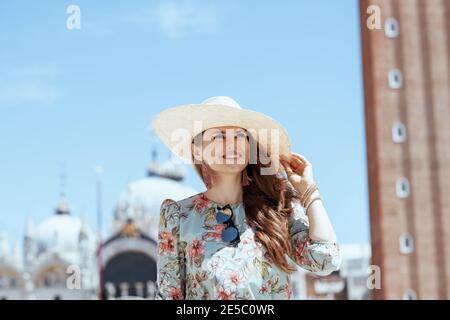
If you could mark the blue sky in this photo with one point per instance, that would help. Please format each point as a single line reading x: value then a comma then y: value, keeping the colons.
x: 86, y: 97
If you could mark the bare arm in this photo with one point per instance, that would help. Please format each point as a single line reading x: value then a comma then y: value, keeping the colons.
x: 320, y: 227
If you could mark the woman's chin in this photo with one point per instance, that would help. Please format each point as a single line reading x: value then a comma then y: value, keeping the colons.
x: 230, y: 168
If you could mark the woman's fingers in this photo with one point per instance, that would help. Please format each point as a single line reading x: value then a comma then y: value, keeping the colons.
x: 290, y: 170
x: 297, y: 163
x: 287, y: 167
x: 284, y: 163
x: 297, y: 158
x: 301, y: 158
x: 298, y: 168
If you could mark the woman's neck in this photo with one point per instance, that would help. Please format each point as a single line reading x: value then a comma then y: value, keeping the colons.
x: 227, y: 189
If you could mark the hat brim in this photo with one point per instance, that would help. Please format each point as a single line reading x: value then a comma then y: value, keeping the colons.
x: 186, y: 121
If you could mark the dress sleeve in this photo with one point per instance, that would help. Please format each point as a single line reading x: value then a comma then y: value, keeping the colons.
x: 319, y: 257
x: 170, y: 261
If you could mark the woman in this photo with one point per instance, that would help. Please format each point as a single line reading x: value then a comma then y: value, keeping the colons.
x: 251, y: 228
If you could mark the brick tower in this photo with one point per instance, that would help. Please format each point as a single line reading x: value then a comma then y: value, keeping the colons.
x: 406, y: 65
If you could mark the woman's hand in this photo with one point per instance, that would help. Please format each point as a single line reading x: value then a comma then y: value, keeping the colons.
x: 299, y: 172
x: 298, y: 169
x: 300, y: 175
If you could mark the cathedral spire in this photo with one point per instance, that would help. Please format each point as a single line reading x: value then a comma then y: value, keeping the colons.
x: 63, y: 206
x: 153, y: 168
x: 83, y: 228
x: 29, y: 228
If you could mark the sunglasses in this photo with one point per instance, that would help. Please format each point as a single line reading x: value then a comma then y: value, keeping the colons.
x: 230, y: 233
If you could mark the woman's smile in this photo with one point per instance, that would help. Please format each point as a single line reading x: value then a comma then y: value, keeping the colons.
x: 232, y: 156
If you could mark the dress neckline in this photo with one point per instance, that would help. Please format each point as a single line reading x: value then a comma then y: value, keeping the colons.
x: 233, y: 205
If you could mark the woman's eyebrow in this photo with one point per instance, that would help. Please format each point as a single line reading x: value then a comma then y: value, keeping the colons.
x: 236, y: 130
x: 215, y: 131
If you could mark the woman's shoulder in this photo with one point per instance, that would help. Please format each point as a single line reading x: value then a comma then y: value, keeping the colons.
x: 175, y: 212
x: 181, y: 205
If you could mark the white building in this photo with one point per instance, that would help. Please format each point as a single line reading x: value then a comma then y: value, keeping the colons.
x: 128, y: 257
x: 61, y: 258
x: 58, y: 260
x: 356, y: 259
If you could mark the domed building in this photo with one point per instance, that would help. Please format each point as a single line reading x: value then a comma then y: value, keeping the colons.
x: 128, y: 257
x: 59, y: 260
x: 59, y: 257
x: 12, y: 284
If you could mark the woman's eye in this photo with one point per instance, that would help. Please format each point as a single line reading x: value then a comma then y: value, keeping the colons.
x: 218, y: 136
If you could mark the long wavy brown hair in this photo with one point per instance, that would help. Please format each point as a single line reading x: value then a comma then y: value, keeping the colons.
x: 268, y: 202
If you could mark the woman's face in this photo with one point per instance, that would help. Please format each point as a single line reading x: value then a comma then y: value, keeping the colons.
x: 224, y: 149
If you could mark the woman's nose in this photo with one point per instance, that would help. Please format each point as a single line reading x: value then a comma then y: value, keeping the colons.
x: 231, y: 148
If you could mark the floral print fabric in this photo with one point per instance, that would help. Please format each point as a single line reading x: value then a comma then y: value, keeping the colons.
x: 194, y: 262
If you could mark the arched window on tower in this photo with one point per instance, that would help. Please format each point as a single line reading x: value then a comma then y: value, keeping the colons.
x: 406, y: 242
x: 391, y: 28
x: 398, y: 132
x: 395, y: 78
x: 402, y: 188
x: 410, y: 295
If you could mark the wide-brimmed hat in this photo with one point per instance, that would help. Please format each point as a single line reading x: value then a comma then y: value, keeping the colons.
x: 177, y: 126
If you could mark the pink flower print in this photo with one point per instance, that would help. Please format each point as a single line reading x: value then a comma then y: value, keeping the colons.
x: 223, y: 295
x: 218, y: 230
x: 200, y: 202
x: 192, y: 281
x: 299, y: 251
x: 215, y: 233
x: 175, y: 293
x: 231, y: 279
x: 234, y: 278
x: 288, y: 290
x: 166, y: 242
x: 263, y: 289
x: 196, y: 250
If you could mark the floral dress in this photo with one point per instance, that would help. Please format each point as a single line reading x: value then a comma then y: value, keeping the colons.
x: 195, y: 263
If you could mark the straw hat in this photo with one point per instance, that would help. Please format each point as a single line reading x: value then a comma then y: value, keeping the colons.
x: 177, y: 126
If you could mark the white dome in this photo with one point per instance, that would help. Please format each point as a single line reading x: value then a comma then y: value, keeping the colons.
x: 144, y: 196
x: 60, y: 232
